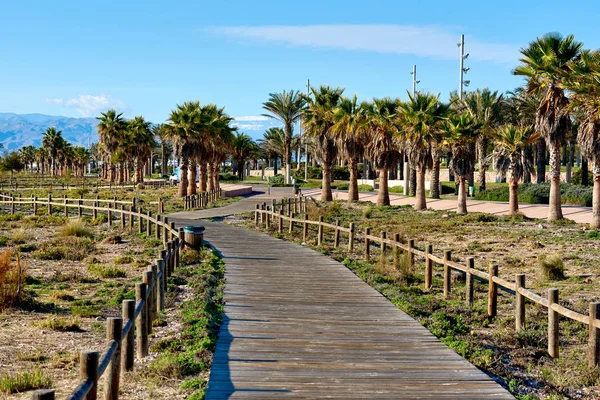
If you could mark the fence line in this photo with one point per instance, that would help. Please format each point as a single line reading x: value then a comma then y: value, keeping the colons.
x: 118, y: 353
x: 82, y: 185
x: 287, y: 210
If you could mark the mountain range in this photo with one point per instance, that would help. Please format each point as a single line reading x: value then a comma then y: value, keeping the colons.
x: 18, y: 130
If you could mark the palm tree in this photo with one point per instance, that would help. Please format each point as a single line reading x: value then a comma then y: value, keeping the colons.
x: 485, y: 106
x: 511, y: 142
x: 184, y: 122
x: 349, y: 131
x: 461, y: 132
x: 273, y: 143
x: 382, y: 142
x: 28, y: 156
x: 141, y: 142
x: 545, y: 64
x: 219, y: 139
x: 52, y: 141
x: 585, y: 83
x: 161, y: 132
x: 285, y: 107
x: 422, y: 117
x: 242, y: 148
x: 81, y: 157
x: 317, y: 122
x: 111, y: 129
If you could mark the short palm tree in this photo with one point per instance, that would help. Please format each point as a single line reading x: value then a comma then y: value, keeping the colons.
x: 273, y: 144
x: 382, y: 143
x: 28, y: 156
x: 285, y: 107
x: 461, y: 133
x: 422, y: 117
x: 349, y: 131
x: 111, y: 129
x: 511, y: 141
x: 52, y: 141
x: 161, y: 135
x: 183, y: 123
x: 141, y: 142
x: 317, y: 122
x: 242, y: 149
x: 545, y: 64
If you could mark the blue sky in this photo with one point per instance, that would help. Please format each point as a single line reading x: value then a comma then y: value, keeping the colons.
x: 77, y: 58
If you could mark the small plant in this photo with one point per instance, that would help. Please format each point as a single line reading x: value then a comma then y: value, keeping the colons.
x: 19, y: 236
x: 12, y: 275
x: 61, y: 324
x: 76, y: 228
x: 106, y: 271
x: 61, y: 295
x: 70, y: 248
x: 27, y: 247
x: 24, y: 381
x: 367, y: 212
x: 552, y: 267
x: 125, y: 259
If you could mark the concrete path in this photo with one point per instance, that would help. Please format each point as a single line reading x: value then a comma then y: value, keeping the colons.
x: 298, y: 324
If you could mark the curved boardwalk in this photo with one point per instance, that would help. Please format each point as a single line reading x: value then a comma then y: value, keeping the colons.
x: 298, y: 324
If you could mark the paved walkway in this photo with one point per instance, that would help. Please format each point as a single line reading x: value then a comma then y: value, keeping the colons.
x: 298, y: 324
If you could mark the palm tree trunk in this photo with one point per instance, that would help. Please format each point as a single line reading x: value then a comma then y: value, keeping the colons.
x: 275, y: 165
x: 326, y: 185
x: 541, y: 160
x: 139, y: 172
x: 421, y: 202
x: 383, y: 195
x: 217, y: 177
x: 554, y: 209
x: 513, y: 197
x: 164, y: 159
x: 413, y: 182
x: 183, y: 183
x: 434, y: 190
x: 192, y: 178
x: 353, y: 187
x: 211, y: 182
x: 203, y: 177
x: 462, y: 195
x: 595, y: 222
x: 482, y: 143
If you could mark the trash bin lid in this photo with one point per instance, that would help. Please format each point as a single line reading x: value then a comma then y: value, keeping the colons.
x: 193, y: 229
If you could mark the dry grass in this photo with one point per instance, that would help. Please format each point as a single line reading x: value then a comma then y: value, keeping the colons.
x: 24, y: 381
x: 11, y: 278
x: 552, y: 268
x: 76, y: 228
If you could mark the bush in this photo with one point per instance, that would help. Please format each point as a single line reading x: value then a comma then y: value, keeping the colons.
x: 313, y: 173
x: 61, y: 324
x: 576, y: 178
x: 228, y: 177
x: 576, y: 195
x: 106, y: 271
x: 68, y: 248
x: 365, y: 188
x: 540, y: 194
x: 551, y: 267
x: 76, y: 228
x: 277, y: 180
x: 341, y: 173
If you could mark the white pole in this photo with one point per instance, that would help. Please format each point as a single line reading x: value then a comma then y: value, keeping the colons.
x: 462, y: 69
x: 414, y: 74
x: 306, y: 141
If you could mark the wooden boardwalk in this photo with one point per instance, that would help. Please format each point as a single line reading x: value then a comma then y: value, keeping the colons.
x: 298, y: 324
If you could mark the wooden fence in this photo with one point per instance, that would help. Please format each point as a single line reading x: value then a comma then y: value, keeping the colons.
x: 122, y: 340
x: 81, y: 185
x: 201, y: 200
x: 287, y: 210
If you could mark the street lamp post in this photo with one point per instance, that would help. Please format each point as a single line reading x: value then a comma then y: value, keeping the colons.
x: 305, y: 140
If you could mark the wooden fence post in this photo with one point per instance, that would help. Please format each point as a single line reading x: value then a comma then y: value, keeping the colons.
x: 88, y: 369
x: 95, y: 210
x: 149, y: 223
x: 49, y: 203
x: 382, y: 247
x: 165, y: 230
x: 152, y: 302
x: 447, y: 274
x: 161, y: 282
x: 122, y: 216
x: 131, y: 211
x: 320, y: 232
x: 109, y: 214
x: 291, y: 225
x: 256, y: 215
x: 268, y: 218
x: 469, y: 282
x: 336, y: 239
x: 280, y: 222
x: 141, y: 322
x: 128, y: 344
x: 367, y: 243
x: 168, y: 262
x: 43, y: 394
x: 594, y: 339
x: 519, y: 303
x: 493, y: 292
x: 114, y: 329
x: 172, y: 226
x: 147, y: 279
x: 553, y: 317
x: 305, y: 228
x: 140, y: 223
x: 428, y: 267
x: 12, y: 204
x: 35, y: 205
x: 411, y: 255
x: 157, y: 223
x: 79, y: 209
x: 350, y: 237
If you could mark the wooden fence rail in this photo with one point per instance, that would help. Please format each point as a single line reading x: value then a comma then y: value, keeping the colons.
x: 137, y: 316
x: 281, y: 211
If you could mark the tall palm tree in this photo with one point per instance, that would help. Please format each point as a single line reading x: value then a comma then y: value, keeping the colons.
x: 545, y: 64
x: 161, y: 133
x: 28, y: 156
x: 422, y: 117
x: 349, y: 131
x: 242, y: 148
x: 382, y: 142
x: 184, y: 122
x: 52, y: 141
x: 141, y: 142
x: 485, y: 106
x: 273, y: 143
x: 285, y: 107
x: 585, y: 83
x: 317, y: 122
x: 511, y: 141
x: 111, y: 129
x: 461, y: 132
x: 220, y: 134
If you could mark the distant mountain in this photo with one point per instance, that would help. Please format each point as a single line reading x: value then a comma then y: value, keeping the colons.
x: 18, y: 130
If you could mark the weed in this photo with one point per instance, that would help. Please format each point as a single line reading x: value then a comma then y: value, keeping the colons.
x: 34, y: 356
x: 24, y: 381
x: 70, y: 248
x: 125, y: 259
x: 27, y: 247
x: 61, y: 324
x: 85, y: 311
x: 106, y: 271
x: 61, y: 295
x: 19, y: 236
x: 367, y: 212
x: 12, y: 275
x: 551, y: 267
x: 76, y: 228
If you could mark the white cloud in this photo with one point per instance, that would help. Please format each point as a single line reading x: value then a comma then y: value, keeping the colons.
x: 254, y: 123
x: 425, y: 41
x: 252, y: 118
x: 88, y: 105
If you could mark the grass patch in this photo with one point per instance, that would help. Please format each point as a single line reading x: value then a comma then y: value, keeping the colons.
x: 106, y: 271
x: 24, y: 381
x: 552, y: 268
x: 61, y: 324
x: 71, y: 248
x: 76, y: 228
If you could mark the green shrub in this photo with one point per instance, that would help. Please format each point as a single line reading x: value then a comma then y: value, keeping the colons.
x: 40, y: 221
x: 313, y: 173
x: 365, y: 188
x: 10, y: 217
x: 124, y: 259
x: 277, y: 180
x: 27, y: 248
x: 341, y: 186
x: 24, y: 381
x: 576, y: 195
x: 552, y: 267
x: 576, y: 178
x: 61, y: 324
x: 367, y: 211
x: 341, y: 173
x: 593, y: 234
x: 396, y: 189
x: 106, y: 271
x: 3, y: 241
x: 76, y: 228
x: 228, y: 177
